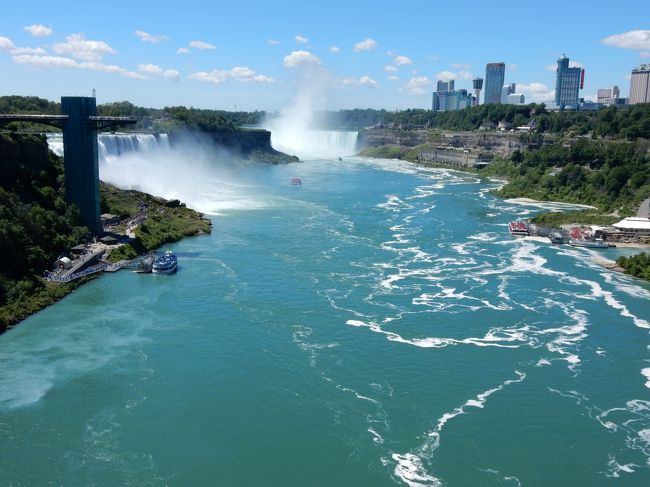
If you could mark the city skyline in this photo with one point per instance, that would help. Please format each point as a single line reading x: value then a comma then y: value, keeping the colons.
x: 344, y: 56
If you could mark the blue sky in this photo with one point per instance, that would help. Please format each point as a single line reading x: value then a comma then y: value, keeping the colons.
x: 259, y: 55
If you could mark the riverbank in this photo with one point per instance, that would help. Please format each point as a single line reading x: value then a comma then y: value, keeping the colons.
x: 165, y: 222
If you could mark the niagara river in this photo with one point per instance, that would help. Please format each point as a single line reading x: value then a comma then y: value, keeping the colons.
x: 374, y: 326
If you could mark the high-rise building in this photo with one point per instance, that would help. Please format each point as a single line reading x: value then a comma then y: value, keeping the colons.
x: 640, y: 85
x: 446, y: 85
x: 609, y: 96
x: 568, y: 82
x: 446, y: 100
x: 477, y: 84
x: 509, y: 95
x: 495, y: 74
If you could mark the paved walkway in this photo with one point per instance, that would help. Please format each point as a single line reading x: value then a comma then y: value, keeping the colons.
x: 644, y: 209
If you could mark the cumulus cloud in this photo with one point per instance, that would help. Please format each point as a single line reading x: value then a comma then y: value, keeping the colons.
x: 390, y: 68
x: 38, y: 30
x: 335, y: 49
x: 449, y: 75
x: 365, y: 45
x: 183, y: 50
x: 418, y: 85
x: 273, y: 42
x: 393, y: 78
x: 45, y: 61
x: 28, y: 50
x: 634, y: 39
x: 203, y: 46
x: 301, y: 39
x: 172, y: 74
x: 60, y: 61
x: 366, y: 81
x: 79, y: 47
x: 550, y: 67
x: 511, y: 67
x: 460, y: 66
x: 300, y: 58
x: 536, y: 92
x: 238, y: 73
x: 155, y: 70
x: 153, y: 38
x: 6, y: 44
x: 402, y: 61
x: 110, y: 68
x: 150, y: 69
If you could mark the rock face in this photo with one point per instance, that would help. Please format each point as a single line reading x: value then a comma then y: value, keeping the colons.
x: 495, y: 143
x: 252, y: 144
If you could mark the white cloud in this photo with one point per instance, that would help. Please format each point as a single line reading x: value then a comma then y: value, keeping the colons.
x: 273, y: 42
x: 434, y: 58
x: 627, y: 76
x: 418, y: 85
x: 366, y: 81
x: 634, y: 39
x: 150, y: 69
x: 365, y: 45
x: 28, y: 50
x: 390, y: 68
x: 203, y: 46
x: 460, y: 66
x: 146, y: 37
x: 155, y: 70
x: 79, y: 47
x: 238, y: 73
x: 110, y: 68
x: 335, y: 49
x: 172, y: 74
x: 402, y: 61
x: 183, y: 50
x: 6, y: 44
x: 301, y: 39
x: 449, y: 75
x: 300, y: 58
x: 536, y: 92
x: 576, y: 64
x: 45, y: 61
x: 393, y: 78
x: 550, y: 67
x: 511, y: 67
x: 645, y: 54
x: 38, y: 30
x: 59, y: 61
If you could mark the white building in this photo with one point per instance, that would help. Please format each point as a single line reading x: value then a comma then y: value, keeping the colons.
x: 509, y: 95
x: 634, y: 225
x: 640, y: 85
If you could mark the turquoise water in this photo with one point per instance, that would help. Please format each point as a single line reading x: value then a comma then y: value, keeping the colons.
x: 374, y: 326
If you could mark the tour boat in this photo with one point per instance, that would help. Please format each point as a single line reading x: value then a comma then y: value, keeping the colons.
x: 165, y: 264
x: 519, y: 228
x: 596, y: 243
x: 558, y: 238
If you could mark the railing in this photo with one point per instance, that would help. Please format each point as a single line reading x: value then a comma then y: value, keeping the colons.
x: 87, y: 271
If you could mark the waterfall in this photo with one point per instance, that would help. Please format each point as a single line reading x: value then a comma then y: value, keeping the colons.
x: 120, y: 144
x: 117, y: 144
x: 315, y: 143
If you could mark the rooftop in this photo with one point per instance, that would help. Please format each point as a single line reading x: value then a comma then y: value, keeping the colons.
x: 633, y: 222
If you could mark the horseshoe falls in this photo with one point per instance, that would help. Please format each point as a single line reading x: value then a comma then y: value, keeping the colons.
x: 374, y: 326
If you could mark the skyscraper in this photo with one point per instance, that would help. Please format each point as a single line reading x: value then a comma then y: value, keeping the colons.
x: 446, y: 85
x: 640, y: 85
x: 567, y: 83
x: 477, y: 83
x: 495, y: 73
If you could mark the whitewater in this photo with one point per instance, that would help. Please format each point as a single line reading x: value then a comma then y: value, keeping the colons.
x: 374, y: 326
